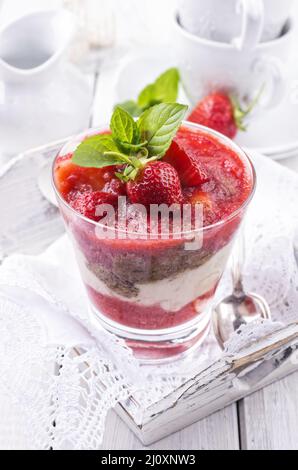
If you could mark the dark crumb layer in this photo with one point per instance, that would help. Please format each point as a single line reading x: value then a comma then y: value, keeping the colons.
x: 120, y: 286
x: 129, y: 269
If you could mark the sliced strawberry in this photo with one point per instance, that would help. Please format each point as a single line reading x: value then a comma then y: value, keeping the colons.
x: 71, y: 178
x: 157, y: 183
x: 187, y: 163
x: 115, y: 186
x: 195, y: 196
x: 87, y: 204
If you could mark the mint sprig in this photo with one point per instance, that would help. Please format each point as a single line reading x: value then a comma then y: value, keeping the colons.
x: 163, y: 90
x: 132, y: 144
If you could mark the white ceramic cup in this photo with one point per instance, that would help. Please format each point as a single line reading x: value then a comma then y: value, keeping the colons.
x: 242, y: 22
x: 208, y: 66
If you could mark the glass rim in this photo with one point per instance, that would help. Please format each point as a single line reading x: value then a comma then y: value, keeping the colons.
x: 206, y: 130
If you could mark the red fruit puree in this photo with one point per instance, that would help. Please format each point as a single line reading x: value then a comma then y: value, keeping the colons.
x: 147, y: 284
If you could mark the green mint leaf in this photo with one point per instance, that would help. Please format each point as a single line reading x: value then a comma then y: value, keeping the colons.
x: 131, y: 148
x: 123, y: 126
x: 131, y: 107
x: 104, y: 141
x: 146, y: 97
x: 92, y: 152
x: 167, y: 86
x: 159, y: 124
x: 163, y: 90
x: 118, y: 157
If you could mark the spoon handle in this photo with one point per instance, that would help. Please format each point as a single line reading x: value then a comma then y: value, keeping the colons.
x: 238, y: 262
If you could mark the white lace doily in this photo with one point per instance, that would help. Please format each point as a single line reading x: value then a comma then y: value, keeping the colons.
x: 65, y: 377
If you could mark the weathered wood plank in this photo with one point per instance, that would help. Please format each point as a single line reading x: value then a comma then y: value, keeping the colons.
x: 269, y: 418
x: 217, y: 432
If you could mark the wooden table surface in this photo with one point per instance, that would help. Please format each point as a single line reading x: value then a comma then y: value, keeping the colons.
x: 267, y: 419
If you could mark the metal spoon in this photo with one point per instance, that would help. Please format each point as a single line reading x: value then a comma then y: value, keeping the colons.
x: 240, y: 308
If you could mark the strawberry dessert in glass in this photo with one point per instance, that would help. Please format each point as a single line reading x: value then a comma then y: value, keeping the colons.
x: 152, y: 208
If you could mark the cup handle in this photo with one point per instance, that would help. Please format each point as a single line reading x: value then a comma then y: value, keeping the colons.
x: 252, y: 24
x: 275, y: 80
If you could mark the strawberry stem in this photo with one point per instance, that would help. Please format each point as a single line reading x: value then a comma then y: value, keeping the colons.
x: 240, y: 113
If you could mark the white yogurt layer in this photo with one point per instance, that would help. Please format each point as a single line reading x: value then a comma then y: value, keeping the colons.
x: 172, y: 294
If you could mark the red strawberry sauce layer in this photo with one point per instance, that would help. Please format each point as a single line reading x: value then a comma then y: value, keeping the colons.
x: 147, y: 318
x: 198, y: 168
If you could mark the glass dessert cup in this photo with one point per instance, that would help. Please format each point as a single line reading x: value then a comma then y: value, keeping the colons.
x: 154, y: 290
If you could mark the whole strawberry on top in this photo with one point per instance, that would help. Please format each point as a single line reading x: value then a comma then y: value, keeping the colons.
x: 221, y: 113
x: 158, y: 183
